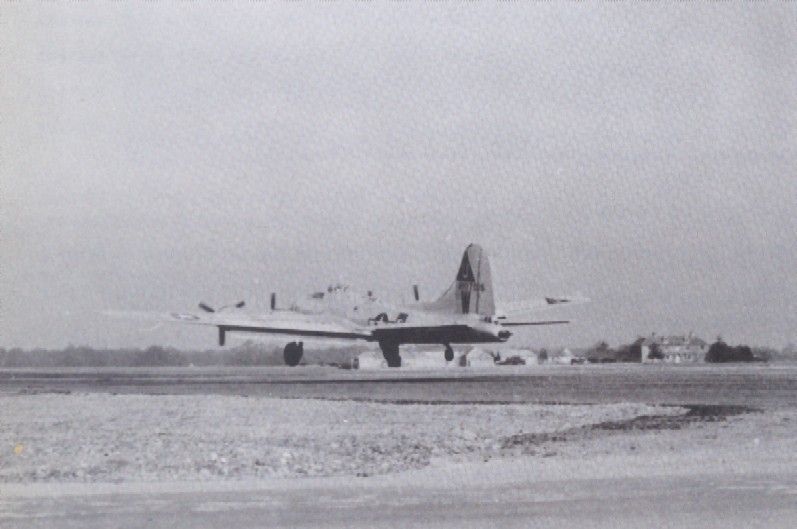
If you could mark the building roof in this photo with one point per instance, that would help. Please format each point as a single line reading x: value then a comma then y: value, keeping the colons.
x: 674, y: 340
x: 478, y: 352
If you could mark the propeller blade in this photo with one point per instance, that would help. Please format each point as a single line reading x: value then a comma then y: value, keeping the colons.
x: 240, y: 304
x: 415, y: 292
x: 206, y: 308
x: 273, y: 301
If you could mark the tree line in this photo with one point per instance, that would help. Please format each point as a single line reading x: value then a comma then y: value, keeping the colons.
x: 246, y: 354
x: 718, y: 352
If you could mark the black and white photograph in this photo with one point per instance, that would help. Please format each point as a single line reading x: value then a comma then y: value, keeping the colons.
x: 398, y: 264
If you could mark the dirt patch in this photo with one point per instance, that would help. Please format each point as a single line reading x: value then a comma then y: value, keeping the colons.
x: 443, y: 402
x: 697, y: 413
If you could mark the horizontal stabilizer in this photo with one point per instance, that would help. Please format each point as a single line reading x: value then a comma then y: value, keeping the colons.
x: 521, y: 310
x: 524, y: 323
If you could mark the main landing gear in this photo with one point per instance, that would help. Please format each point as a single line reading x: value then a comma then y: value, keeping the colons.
x: 449, y: 354
x: 391, y: 353
x: 293, y: 353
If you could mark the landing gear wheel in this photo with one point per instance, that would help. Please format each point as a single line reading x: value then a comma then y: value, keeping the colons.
x: 391, y: 353
x: 293, y: 353
x: 449, y: 354
x: 393, y: 361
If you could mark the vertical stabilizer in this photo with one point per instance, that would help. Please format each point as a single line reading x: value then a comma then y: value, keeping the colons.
x: 472, y: 290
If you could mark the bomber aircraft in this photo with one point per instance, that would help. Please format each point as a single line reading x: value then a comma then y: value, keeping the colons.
x: 465, y: 313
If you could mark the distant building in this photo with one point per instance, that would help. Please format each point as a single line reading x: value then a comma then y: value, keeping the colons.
x: 369, y: 360
x: 477, y: 357
x: 601, y: 353
x: 525, y: 357
x: 673, y: 349
x: 421, y: 358
x: 411, y: 358
x: 565, y: 357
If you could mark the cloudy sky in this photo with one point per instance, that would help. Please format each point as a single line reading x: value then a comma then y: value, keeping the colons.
x: 156, y: 154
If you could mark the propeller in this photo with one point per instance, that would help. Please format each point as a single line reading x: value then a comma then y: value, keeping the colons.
x: 415, y: 292
x: 206, y: 308
x: 273, y: 301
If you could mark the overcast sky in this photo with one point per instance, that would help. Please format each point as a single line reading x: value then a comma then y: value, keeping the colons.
x: 158, y: 154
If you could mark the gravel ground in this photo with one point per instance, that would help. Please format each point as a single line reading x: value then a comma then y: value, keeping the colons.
x: 120, y: 438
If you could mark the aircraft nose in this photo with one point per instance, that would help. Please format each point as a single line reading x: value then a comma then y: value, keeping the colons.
x: 504, y: 335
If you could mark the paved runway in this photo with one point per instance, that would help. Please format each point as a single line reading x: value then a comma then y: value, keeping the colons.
x: 707, y: 501
x: 754, y: 386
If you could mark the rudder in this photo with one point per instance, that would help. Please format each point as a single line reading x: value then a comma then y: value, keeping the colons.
x: 472, y: 290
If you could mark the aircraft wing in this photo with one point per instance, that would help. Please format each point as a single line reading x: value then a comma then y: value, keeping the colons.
x: 291, y: 324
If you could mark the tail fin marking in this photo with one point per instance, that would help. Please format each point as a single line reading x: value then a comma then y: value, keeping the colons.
x: 471, y: 292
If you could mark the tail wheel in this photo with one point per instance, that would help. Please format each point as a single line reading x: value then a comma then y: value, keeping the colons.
x: 449, y: 354
x: 293, y: 353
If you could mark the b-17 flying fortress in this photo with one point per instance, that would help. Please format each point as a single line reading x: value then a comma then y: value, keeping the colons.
x: 466, y: 313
